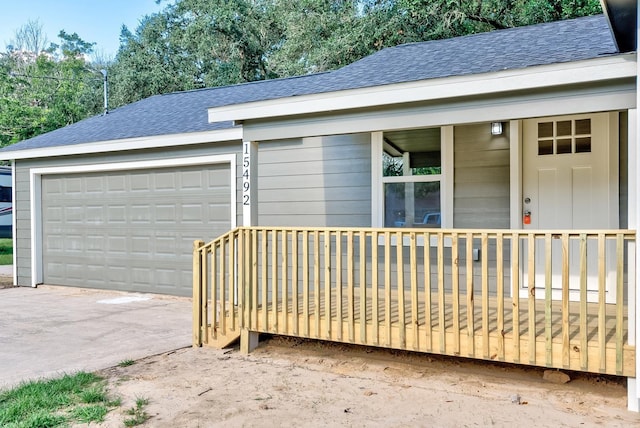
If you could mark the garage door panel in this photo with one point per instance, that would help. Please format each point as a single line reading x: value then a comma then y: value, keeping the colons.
x: 131, y: 230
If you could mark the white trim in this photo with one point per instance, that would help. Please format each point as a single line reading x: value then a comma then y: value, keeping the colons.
x: 377, y: 198
x: 127, y: 144
x: 515, y: 173
x: 412, y: 178
x: 13, y: 223
x: 447, y: 174
x: 35, y: 184
x: 445, y: 177
x: 249, y: 183
x: 632, y: 217
x: 634, y: 385
x: 35, y: 179
x: 526, y: 79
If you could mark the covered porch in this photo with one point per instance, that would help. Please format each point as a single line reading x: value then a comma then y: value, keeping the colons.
x: 452, y: 292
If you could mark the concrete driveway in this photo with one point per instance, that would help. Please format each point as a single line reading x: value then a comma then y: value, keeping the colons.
x: 47, y: 331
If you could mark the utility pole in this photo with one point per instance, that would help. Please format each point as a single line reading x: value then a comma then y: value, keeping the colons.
x: 106, y: 92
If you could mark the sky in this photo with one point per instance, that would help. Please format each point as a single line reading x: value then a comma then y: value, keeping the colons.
x: 97, y: 21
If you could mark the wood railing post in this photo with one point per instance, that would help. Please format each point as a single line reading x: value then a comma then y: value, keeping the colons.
x: 197, y: 294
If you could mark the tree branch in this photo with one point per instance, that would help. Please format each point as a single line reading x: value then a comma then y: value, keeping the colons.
x: 495, y: 24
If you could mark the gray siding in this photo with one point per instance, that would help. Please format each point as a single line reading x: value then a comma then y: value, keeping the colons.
x: 22, y: 202
x: 316, y: 181
x: 481, y: 177
x: 624, y: 170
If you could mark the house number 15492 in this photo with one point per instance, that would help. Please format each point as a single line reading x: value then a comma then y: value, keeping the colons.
x: 246, y: 165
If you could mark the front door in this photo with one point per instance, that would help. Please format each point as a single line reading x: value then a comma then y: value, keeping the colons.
x: 570, y: 181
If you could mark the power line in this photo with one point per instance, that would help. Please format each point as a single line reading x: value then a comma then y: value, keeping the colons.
x: 67, y: 79
x: 11, y: 74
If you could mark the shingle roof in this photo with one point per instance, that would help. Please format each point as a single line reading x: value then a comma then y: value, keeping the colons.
x: 184, y: 112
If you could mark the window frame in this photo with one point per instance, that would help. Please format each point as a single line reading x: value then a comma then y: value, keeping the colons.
x: 445, y: 178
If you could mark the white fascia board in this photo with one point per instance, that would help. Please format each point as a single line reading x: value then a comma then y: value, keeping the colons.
x: 536, y: 77
x: 151, y: 142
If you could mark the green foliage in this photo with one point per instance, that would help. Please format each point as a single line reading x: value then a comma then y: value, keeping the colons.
x: 6, y: 251
x: 137, y: 413
x: 81, y: 397
x: 126, y: 363
x: 45, y: 90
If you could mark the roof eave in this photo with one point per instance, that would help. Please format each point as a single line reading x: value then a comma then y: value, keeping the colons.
x: 529, y: 78
x: 150, y: 142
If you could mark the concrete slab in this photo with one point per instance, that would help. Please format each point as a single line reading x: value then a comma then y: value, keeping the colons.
x: 47, y: 331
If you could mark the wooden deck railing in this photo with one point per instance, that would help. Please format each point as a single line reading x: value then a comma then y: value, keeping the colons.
x: 545, y: 298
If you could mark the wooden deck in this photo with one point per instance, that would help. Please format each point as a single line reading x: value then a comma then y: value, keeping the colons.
x: 430, y: 312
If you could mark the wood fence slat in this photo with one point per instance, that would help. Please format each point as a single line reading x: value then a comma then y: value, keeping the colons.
x: 566, y: 346
x: 294, y: 282
x: 387, y: 286
x: 205, y: 297
x: 362, y: 257
x: 402, y: 322
x: 232, y: 282
x: 602, y: 300
x: 339, y: 283
x: 548, y: 309
x: 375, y: 316
x: 254, y: 279
x: 470, y: 299
x: 413, y: 271
x: 584, y: 333
x: 455, y: 290
x: 500, y: 292
x: 441, y: 297
x: 531, y: 297
x: 223, y: 297
x: 214, y: 293
x: 316, y: 282
x: 305, y: 283
x: 274, y: 280
x: 619, y: 302
x: 327, y: 283
x: 241, y: 268
x: 515, y: 293
x: 485, y: 294
x: 350, y: 286
x: 284, y: 256
x: 427, y: 292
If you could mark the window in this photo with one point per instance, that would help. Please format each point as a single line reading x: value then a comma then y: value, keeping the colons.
x: 411, y: 172
x: 5, y: 194
x: 564, y: 137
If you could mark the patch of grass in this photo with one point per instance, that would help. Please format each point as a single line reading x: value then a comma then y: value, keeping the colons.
x: 137, y: 413
x: 6, y: 251
x: 80, y: 397
x: 126, y: 363
x: 92, y: 413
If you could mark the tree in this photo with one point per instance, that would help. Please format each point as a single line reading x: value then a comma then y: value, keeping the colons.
x: 30, y: 37
x: 43, y: 91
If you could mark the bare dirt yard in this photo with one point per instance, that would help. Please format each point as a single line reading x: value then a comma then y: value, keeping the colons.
x: 6, y: 281
x: 298, y: 383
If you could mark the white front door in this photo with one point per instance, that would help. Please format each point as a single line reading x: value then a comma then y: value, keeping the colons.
x: 570, y: 181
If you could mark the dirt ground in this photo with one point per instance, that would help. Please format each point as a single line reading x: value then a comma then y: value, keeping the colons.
x: 293, y: 382
x: 6, y: 281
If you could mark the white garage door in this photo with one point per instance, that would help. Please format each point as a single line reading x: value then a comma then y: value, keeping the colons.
x: 131, y: 230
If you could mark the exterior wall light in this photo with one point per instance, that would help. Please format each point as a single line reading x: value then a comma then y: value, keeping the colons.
x: 496, y: 128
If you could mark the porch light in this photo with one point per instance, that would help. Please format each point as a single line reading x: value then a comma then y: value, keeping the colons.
x: 496, y: 128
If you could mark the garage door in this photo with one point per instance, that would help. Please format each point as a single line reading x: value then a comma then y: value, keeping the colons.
x: 131, y: 230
